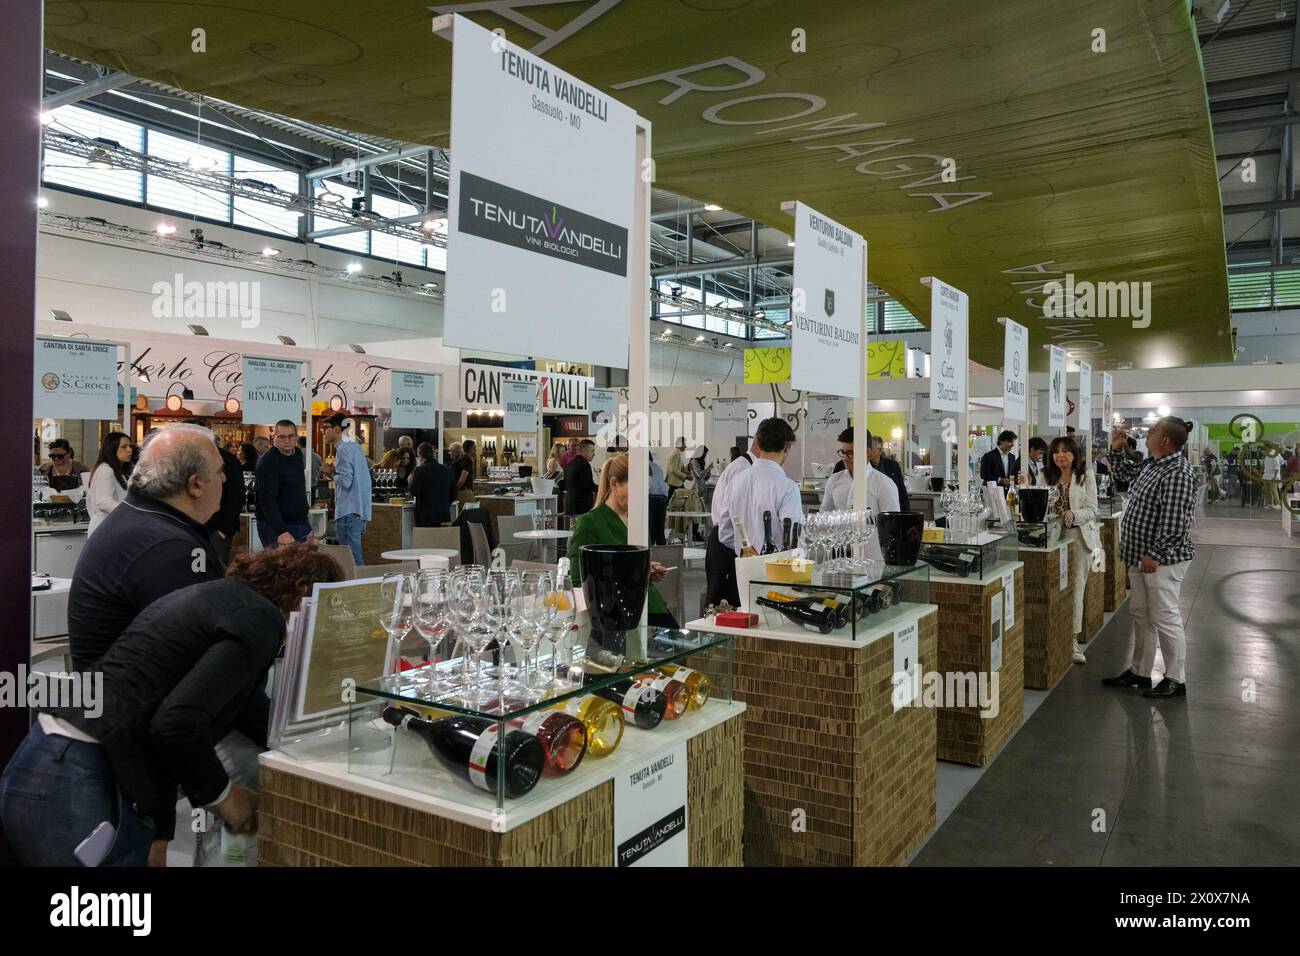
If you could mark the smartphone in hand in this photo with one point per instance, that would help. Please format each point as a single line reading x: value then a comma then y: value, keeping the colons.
x: 93, y: 850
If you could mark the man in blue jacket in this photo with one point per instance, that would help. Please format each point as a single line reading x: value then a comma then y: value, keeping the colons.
x: 351, y: 484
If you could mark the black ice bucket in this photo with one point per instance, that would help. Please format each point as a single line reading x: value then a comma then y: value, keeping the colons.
x: 1033, y: 503
x: 900, y: 535
x: 615, y: 578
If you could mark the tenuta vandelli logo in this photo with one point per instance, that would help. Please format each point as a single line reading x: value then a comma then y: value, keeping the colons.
x: 509, y: 216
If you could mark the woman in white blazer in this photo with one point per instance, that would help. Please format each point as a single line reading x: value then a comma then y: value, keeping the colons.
x: 107, y: 487
x: 1077, y: 508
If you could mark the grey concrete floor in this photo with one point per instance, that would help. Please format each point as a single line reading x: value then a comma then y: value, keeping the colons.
x: 1101, y: 776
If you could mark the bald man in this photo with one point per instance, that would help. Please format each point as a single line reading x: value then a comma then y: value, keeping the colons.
x: 153, y: 543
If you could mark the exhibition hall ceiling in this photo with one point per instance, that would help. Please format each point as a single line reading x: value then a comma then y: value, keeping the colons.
x: 1077, y: 135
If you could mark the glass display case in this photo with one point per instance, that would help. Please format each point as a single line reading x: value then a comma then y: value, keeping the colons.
x: 611, y: 693
x: 837, y: 605
x: 971, y: 554
x: 1110, y: 505
x: 1039, y: 534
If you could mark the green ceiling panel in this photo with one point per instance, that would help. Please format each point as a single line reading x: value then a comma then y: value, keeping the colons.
x: 1099, y: 164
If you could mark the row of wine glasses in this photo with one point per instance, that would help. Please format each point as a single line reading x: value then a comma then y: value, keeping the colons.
x: 386, y: 480
x: 961, y: 509
x: 837, y: 540
x: 465, y: 613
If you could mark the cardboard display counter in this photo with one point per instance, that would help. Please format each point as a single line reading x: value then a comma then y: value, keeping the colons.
x: 389, y: 529
x: 971, y: 641
x: 1115, y: 577
x: 1049, y: 614
x: 317, y: 812
x: 834, y: 774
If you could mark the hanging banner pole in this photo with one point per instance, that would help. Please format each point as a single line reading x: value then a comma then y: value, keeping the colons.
x: 308, y: 391
x: 860, y: 453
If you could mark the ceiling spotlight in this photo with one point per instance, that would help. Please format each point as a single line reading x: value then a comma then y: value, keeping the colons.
x: 165, y: 229
x: 356, y: 348
x: 729, y: 345
x: 435, y: 225
x: 197, y: 329
x: 41, y: 202
x: 47, y: 118
x: 331, y: 198
x: 712, y: 207
x: 197, y: 235
x: 358, y: 205
x: 354, y: 267
x: 677, y: 291
x: 1163, y: 411
x: 270, y: 251
x: 99, y: 159
x: 699, y: 338
x: 760, y: 314
x: 396, y: 276
x: 707, y: 381
x: 60, y: 316
x: 201, y: 162
x: 285, y: 340
x: 429, y: 285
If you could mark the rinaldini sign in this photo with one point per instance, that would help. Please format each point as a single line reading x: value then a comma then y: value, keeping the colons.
x: 480, y: 387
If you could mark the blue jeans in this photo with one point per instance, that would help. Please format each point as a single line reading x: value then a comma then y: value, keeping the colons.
x: 349, y: 529
x: 55, y: 792
x: 267, y: 536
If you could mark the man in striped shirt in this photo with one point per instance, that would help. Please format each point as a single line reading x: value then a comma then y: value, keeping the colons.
x: 1155, y: 540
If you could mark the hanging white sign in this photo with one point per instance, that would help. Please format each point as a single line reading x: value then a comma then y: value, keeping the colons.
x: 480, y: 386
x: 907, y: 666
x: 602, y: 408
x: 1107, y: 403
x: 75, y: 379
x: 520, y: 401
x: 650, y: 820
x: 542, y: 188
x: 1083, y: 410
x: 1056, y: 388
x: 948, y: 346
x: 828, y: 415
x: 1009, y: 589
x: 272, y: 390
x: 730, y: 420
x: 415, y: 400
x: 826, y: 333
x: 1015, y: 373
x: 995, y: 644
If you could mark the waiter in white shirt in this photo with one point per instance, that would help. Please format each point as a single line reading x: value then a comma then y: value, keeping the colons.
x: 882, y: 493
x: 720, y: 561
x: 762, y: 487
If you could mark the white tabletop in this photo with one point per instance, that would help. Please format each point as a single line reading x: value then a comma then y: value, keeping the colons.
x: 692, y: 554
x: 546, y: 535
x: 525, y: 497
x: 412, y: 554
x: 690, y: 514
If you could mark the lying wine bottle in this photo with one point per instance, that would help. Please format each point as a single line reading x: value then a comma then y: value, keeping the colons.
x: 469, y: 746
x: 562, y: 736
x: 603, y: 720
x: 676, y: 691
x: 638, y: 698
x: 806, y: 612
x: 696, y: 683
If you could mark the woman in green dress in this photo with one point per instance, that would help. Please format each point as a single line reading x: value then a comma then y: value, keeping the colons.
x: 607, y: 524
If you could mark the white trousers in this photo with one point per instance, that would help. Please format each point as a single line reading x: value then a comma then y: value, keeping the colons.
x: 1154, y: 611
x: 1080, y: 567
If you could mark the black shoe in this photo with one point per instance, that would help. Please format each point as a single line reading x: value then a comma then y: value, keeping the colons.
x: 1167, y: 688
x: 1127, y: 679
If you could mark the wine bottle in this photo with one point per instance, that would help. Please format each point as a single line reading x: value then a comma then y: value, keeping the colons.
x: 747, y: 550
x: 675, y: 690
x: 562, y: 736
x: 640, y: 700
x: 878, y: 597
x: 807, y: 613
x: 469, y: 747
x: 603, y: 720
x: 785, y: 534
x: 794, y: 535
x: 769, y: 547
x: 695, y: 682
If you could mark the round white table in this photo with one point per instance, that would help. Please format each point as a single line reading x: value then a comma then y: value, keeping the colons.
x: 544, y: 536
x: 414, y: 554
x: 706, y: 517
x: 692, y: 554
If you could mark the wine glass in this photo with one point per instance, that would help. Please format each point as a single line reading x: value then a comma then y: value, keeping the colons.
x: 432, y: 622
x: 534, y: 593
x: 396, y: 616
x: 466, y: 587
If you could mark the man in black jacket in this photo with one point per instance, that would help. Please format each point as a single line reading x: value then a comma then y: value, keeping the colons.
x: 152, y: 544
x: 1000, y: 465
x: 579, y: 484
x: 224, y: 525
x: 283, y: 515
x: 434, y: 490
x: 889, y: 468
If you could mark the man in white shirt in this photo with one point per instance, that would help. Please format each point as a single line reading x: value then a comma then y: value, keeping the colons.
x: 763, y: 487
x: 719, y: 560
x: 1272, y: 472
x: 882, y: 493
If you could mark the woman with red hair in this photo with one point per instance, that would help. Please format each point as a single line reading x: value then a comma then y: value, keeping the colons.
x: 95, y: 784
